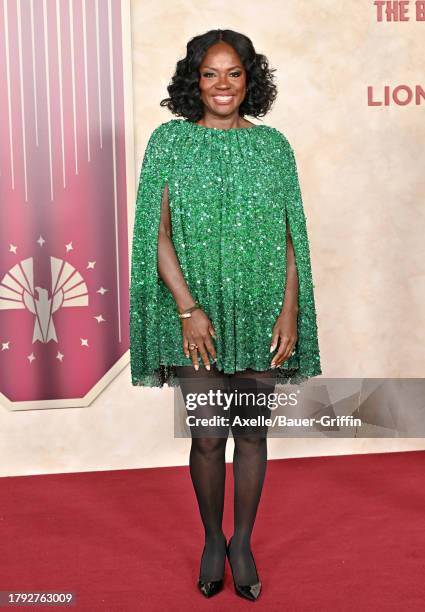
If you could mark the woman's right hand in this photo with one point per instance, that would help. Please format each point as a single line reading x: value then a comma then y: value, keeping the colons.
x: 198, y: 330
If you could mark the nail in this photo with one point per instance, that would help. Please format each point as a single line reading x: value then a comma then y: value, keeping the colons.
x: 196, y: 367
x: 272, y: 348
x: 273, y: 365
x: 208, y: 367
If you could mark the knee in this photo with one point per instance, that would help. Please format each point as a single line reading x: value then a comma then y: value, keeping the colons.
x: 250, y: 444
x: 209, y: 446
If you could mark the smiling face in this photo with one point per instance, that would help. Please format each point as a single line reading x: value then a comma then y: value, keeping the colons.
x: 222, y: 81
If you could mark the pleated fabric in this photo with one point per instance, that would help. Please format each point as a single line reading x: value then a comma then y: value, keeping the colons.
x: 232, y: 192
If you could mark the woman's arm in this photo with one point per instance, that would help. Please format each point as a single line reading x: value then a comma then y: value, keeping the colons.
x: 168, y: 264
x: 285, y: 327
x: 196, y: 329
x: 291, y: 287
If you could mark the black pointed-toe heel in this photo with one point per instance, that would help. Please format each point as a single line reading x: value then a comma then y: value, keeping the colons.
x: 209, y: 588
x: 248, y: 591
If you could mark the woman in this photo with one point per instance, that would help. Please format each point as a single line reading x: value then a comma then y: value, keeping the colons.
x: 221, y: 277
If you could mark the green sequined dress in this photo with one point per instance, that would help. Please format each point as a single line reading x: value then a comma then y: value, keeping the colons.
x: 231, y: 194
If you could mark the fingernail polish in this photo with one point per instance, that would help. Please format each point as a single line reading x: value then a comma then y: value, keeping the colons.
x: 273, y: 365
x: 208, y: 367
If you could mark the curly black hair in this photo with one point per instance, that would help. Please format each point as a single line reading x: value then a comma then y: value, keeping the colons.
x: 185, y: 96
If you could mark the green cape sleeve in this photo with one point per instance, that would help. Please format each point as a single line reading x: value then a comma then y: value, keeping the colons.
x: 146, y: 369
x: 307, y: 357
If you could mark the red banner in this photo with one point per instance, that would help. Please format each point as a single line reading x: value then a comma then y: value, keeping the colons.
x: 64, y: 274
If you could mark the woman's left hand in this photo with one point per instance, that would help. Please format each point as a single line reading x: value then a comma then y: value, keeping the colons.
x: 284, y: 329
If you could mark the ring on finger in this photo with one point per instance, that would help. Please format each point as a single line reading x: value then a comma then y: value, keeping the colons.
x: 193, y: 346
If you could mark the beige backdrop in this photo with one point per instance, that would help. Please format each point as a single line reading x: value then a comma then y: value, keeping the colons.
x: 361, y: 174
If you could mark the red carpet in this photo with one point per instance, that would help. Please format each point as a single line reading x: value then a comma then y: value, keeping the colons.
x: 338, y: 534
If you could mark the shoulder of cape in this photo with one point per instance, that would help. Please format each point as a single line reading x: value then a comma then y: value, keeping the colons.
x: 285, y: 147
x: 281, y: 138
x: 164, y: 131
x: 161, y: 143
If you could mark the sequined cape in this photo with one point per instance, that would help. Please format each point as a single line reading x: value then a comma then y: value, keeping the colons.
x: 231, y: 193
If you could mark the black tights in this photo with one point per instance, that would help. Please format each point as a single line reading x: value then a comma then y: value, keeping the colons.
x: 207, y: 463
